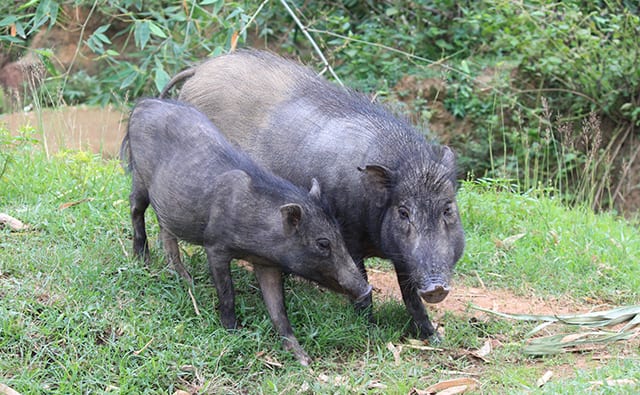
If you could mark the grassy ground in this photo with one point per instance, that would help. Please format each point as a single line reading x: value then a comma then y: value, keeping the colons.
x: 79, y: 315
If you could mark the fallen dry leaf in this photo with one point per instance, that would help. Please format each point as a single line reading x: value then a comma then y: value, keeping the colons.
x: 13, y: 223
x: 483, y: 351
x: 613, y: 383
x: 66, y: 205
x: 544, y: 379
x: 234, y: 41
x: 269, y: 360
x: 395, y: 350
x: 449, y: 387
x: 193, y: 301
x: 6, y: 390
x: 459, y: 389
x: 138, y: 352
x: 337, y: 380
x: 509, y: 241
x: 181, y: 392
x: 421, y: 345
x: 376, y: 384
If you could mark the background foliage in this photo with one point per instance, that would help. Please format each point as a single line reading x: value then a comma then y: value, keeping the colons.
x: 548, y: 90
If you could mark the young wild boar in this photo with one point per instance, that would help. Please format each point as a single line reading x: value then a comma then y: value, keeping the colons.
x: 393, y: 193
x: 206, y: 192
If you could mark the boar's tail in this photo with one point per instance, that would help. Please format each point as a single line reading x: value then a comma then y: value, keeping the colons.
x: 184, y: 74
x: 125, y: 154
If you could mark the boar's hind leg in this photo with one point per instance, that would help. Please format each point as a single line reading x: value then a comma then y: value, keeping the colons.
x: 270, y: 280
x: 220, y: 271
x: 139, y: 201
x: 172, y: 251
x: 422, y: 325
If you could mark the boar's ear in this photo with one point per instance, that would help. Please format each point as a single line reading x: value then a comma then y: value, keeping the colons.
x: 448, y: 157
x: 378, y: 180
x: 291, y: 217
x: 314, y: 192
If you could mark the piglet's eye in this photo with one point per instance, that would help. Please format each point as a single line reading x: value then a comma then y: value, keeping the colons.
x: 403, y: 213
x: 323, y: 244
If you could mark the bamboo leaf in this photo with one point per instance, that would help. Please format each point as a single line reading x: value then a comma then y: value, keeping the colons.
x: 593, y: 319
x: 631, y: 324
x: 560, y: 343
x: 557, y: 344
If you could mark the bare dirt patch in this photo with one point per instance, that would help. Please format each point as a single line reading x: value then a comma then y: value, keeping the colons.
x: 99, y: 130
x: 385, y: 287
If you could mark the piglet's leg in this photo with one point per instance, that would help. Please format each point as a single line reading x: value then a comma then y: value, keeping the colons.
x: 364, y: 306
x: 221, y: 273
x: 270, y: 280
x: 139, y: 200
x: 172, y: 251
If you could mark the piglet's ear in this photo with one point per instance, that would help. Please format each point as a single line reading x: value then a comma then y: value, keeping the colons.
x: 378, y: 180
x: 315, y: 192
x: 291, y: 217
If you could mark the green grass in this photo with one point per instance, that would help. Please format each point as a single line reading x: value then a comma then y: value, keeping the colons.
x: 79, y: 315
x: 559, y: 251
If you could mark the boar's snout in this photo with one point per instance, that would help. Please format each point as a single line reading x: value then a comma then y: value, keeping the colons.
x: 435, y: 291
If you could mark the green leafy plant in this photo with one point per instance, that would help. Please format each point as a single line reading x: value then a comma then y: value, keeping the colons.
x: 138, y: 48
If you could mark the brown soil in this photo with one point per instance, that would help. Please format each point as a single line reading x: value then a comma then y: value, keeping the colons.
x: 385, y: 286
x: 99, y: 130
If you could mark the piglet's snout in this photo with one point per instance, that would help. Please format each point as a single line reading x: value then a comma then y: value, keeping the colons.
x: 366, y: 293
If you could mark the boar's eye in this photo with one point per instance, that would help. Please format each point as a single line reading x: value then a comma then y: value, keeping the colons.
x: 403, y: 213
x: 324, y: 245
x: 448, y: 211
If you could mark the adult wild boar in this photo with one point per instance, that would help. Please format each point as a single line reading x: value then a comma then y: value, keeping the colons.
x: 206, y: 192
x: 393, y: 193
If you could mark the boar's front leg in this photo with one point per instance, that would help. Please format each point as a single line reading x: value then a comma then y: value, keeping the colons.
x: 270, y: 280
x: 219, y: 267
x: 422, y: 325
x: 172, y: 252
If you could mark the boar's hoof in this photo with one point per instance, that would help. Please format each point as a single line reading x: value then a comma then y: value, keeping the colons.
x: 434, y: 339
x: 302, y: 357
x: 229, y: 323
x: 182, y: 271
x: 293, y: 346
x: 434, y: 293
